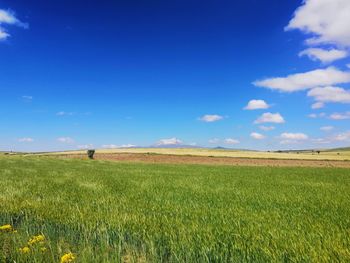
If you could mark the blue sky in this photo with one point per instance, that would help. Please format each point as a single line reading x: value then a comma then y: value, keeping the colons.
x: 243, y: 74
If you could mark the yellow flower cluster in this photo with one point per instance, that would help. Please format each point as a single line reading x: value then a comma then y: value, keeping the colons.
x: 36, y: 239
x: 66, y: 258
x: 6, y: 228
x: 24, y: 250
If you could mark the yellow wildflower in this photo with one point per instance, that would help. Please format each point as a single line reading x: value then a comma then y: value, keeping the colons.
x: 43, y: 249
x: 66, y: 258
x: 6, y: 228
x: 24, y: 250
x: 36, y: 239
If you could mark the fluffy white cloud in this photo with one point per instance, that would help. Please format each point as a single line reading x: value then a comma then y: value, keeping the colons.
x: 8, y: 17
x: 330, y: 94
x: 307, y: 80
x: 266, y: 128
x: 211, y: 118
x: 68, y: 140
x: 26, y: 139
x: 317, y: 105
x: 327, y: 128
x: 324, y: 55
x: 171, y: 141
x: 327, y: 21
x: 231, y: 141
x: 214, y: 140
x: 257, y: 136
x: 294, y: 136
x: 270, y: 117
x: 256, y: 104
x: 340, y: 116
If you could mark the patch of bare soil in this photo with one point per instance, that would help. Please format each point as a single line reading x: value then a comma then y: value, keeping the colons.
x: 185, y: 159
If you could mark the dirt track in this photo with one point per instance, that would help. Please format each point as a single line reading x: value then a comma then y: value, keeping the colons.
x: 184, y: 159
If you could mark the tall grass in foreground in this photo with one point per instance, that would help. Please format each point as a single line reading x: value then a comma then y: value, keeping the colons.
x: 123, y: 212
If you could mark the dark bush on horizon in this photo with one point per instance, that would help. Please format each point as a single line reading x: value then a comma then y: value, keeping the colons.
x: 90, y: 153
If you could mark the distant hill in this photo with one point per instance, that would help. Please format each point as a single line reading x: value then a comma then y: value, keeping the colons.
x: 341, y: 149
x: 174, y: 146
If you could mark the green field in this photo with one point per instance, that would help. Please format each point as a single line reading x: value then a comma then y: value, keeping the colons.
x: 124, y: 212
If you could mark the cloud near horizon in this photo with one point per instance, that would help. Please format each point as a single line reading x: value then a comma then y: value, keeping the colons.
x: 67, y: 140
x: 26, y: 139
x: 231, y: 141
x: 257, y: 136
x: 170, y: 141
x: 269, y: 117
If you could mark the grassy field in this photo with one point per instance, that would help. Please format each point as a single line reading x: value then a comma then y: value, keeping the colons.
x: 122, y: 212
x: 340, y: 154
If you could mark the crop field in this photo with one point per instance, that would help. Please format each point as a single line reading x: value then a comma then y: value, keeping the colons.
x: 60, y: 210
x: 341, y: 154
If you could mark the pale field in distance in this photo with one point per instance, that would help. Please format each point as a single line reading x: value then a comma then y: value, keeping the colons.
x: 302, y: 155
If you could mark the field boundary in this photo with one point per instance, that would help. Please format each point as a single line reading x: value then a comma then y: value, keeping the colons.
x: 208, y: 160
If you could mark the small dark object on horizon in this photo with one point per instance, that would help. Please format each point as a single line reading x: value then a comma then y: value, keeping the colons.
x: 90, y: 153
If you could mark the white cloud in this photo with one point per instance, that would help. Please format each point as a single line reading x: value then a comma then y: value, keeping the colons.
x: 307, y: 80
x: 317, y: 105
x: 26, y: 139
x: 85, y: 146
x: 171, y: 141
x: 270, y: 117
x: 114, y: 146
x: 294, y: 136
x: 330, y: 94
x: 214, y: 140
x: 257, y: 136
x: 327, y: 128
x: 129, y: 145
x: 314, y: 115
x: 8, y: 17
x: 211, y: 118
x: 256, y: 104
x: 343, y: 136
x: 340, y: 116
x: 326, y: 21
x: 67, y: 140
x: 231, y: 141
x: 266, y: 128
x: 323, y: 55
